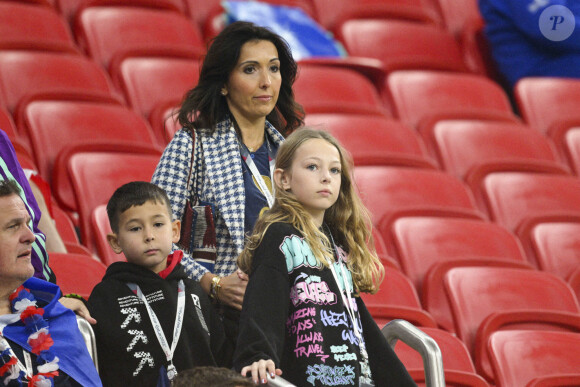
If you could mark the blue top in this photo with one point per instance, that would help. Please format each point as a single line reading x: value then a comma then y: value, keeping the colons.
x: 533, y: 38
x: 69, y: 345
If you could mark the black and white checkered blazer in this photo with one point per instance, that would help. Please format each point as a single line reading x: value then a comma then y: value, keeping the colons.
x: 219, y: 181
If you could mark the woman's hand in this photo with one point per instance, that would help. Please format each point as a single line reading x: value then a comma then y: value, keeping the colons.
x: 232, y: 289
x: 260, y: 371
x: 78, y: 307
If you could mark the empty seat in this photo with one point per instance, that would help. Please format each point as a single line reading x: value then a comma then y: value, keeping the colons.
x: 7, y: 124
x: 76, y: 273
x: 374, y: 139
x: 545, y: 102
x: 151, y: 82
x: 331, y: 14
x: 100, y: 227
x: 54, y: 125
x: 110, y: 32
x: 31, y: 26
x: 69, y: 8
x: 395, y: 299
x: 462, y: 146
x: 555, y: 245
x: 96, y: 175
x: 484, y: 300
x: 410, y: 45
x: 422, y: 96
x: 325, y: 89
x: 525, y: 358
x: 427, y: 247
x: 27, y: 73
x: 389, y: 192
x: 458, y: 14
x: 514, y: 197
x: 569, y: 143
x: 458, y: 365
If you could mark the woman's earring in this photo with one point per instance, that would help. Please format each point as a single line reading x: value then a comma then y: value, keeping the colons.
x: 224, y: 92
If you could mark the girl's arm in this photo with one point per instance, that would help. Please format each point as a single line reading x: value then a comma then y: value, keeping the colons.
x: 386, y: 368
x: 265, y: 309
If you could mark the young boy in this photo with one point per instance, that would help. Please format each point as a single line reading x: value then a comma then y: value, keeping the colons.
x: 153, y: 321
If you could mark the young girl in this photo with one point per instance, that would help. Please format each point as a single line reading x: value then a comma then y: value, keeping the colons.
x: 308, y: 259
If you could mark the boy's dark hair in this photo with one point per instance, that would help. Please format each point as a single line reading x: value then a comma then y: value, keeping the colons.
x: 9, y: 187
x: 135, y: 193
x: 211, y: 377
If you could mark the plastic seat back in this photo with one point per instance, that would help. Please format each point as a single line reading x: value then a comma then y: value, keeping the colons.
x: 27, y: 73
x: 462, y: 145
x: 96, y: 175
x: 484, y: 299
x: 374, y: 139
x: 100, y: 227
x: 31, y: 26
x: 458, y: 365
x: 520, y: 357
x: 418, y: 96
x: 411, y: 45
x: 514, y: 197
x: 425, y: 244
x: 326, y: 89
x: 544, y: 101
x: 331, y: 14
x: 76, y: 273
x: 395, y: 299
x: 109, y: 32
x: 557, y: 247
x: 389, y: 192
x: 54, y: 125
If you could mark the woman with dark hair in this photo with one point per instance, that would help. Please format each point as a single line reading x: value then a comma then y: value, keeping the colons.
x: 233, y: 122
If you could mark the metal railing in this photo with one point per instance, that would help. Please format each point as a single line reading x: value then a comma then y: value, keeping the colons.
x: 421, y: 342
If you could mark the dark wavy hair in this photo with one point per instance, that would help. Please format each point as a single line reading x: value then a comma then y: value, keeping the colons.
x: 204, y: 106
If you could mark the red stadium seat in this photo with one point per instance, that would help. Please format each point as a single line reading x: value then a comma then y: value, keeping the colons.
x: 458, y: 366
x: 27, y: 73
x: 412, y: 46
x: 462, y: 146
x: 31, y: 26
x: 390, y: 192
x: 554, y: 244
x: 568, y: 140
x: 150, y: 82
x: 430, y: 246
x: 69, y: 8
x: 76, y: 273
x: 96, y: 175
x: 374, y: 139
x: 7, y: 124
x: 458, y: 14
x: 325, y: 89
x: 532, y: 358
x: 514, y: 197
x: 545, y: 102
x: 486, y: 299
x: 333, y: 13
x: 100, y: 227
x: 422, y: 96
x: 395, y: 299
x: 108, y: 33
x: 54, y: 125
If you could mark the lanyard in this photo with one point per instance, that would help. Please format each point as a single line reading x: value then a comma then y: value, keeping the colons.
x: 257, y: 175
x: 171, y: 372
x: 347, y: 300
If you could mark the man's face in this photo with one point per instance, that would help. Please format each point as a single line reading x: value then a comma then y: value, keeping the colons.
x: 15, y: 242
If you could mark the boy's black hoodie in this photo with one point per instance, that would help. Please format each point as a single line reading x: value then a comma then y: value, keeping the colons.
x: 129, y: 353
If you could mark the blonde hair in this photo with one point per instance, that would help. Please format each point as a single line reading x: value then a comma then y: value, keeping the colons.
x: 348, y: 219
